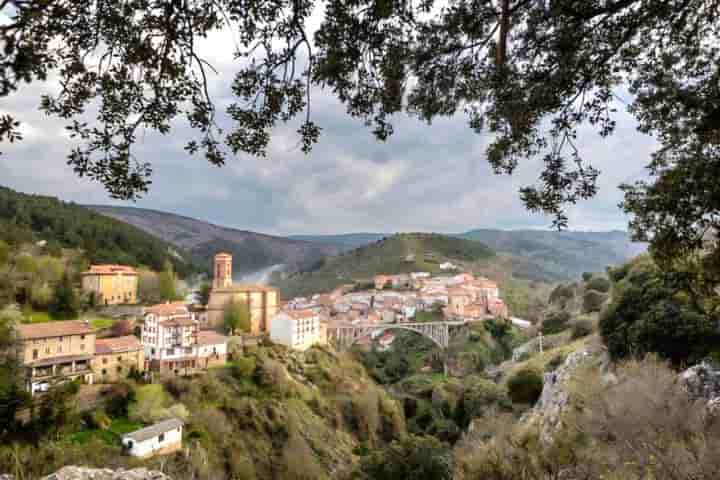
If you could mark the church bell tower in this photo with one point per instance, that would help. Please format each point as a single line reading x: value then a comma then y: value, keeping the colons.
x: 223, y: 270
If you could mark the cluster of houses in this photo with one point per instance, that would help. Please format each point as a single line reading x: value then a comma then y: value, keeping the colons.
x: 177, y: 338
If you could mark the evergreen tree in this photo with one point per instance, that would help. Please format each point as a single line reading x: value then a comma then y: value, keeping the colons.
x: 168, y: 283
x: 65, y: 303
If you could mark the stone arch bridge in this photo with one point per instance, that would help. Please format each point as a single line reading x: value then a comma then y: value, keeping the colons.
x: 344, y: 336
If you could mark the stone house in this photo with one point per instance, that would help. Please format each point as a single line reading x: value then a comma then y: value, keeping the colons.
x: 111, y: 284
x: 55, y: 352
x: 116, y: 357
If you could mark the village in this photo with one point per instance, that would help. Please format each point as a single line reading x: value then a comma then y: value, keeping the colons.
x: 185, y: 338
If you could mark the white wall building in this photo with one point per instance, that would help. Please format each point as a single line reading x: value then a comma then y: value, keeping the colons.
x: 158, y: 439
x: 169, y: 338
x: 298, y: 329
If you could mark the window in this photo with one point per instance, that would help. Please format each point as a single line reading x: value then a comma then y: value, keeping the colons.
x: 119, y: 368
x: 104, y: 361
x: 35, y: 354
x: 161, y: 437
x: 82, y: 337
x: 82, y: 346
x: 119, y: 359
x: 104, y: 371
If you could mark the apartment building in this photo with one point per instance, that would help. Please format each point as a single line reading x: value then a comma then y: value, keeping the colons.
x: 56, y: 352
x: 169, y: 338
x: 298, y: 329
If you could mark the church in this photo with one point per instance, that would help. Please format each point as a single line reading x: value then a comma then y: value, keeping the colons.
x: 262, y: 300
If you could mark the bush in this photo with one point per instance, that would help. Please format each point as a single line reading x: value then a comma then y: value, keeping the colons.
x: 243, y: 367
x: 555, y: 362
x: 650, y: 313
x: 555, y: 322
x: 525, y: 386
x: 586, y: 276
x: 601, y: 284
x: 593, y: 300
x: 561, y: 295
x: 99, y: 419
x: 412, y: 457
x: 581, y: 328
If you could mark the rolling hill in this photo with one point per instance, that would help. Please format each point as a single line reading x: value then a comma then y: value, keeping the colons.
x: 251, y: 251
x: 535, y: 254
x: 31, y: 218
x: 389, y: 255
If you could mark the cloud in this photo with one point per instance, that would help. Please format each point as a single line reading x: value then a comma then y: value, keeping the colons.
x: 430, y: 178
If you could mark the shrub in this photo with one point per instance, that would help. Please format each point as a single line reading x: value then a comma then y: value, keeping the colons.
x: 555, y: 362
x: 243, y: 367
x: 525, y: 386
x: 555, y: 322
x: 480, y: 398
x: 601, y: 284
x: 586, y: 276
x: 652, y: 314
x: 561, y: 295
x: 100, y: 419
x: 593, y: 300
x: 581, y: 328
x: 412, y: 457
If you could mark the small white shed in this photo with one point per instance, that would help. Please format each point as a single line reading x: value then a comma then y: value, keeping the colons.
x: 158, y: 439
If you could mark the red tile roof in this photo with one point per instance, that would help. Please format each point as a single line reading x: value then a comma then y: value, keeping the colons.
x: 127, y: 343
x: 209, y: 337
x: 167, y: 309
x: 298, y: 314
x: 110, y: 269
x: 53, y: 329
x: 179, y: 321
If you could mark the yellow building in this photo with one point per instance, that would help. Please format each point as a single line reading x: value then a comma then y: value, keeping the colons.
x: 111, y: 284
x: 116, y: 357
x: 55, y: 352
x: 262, y: 301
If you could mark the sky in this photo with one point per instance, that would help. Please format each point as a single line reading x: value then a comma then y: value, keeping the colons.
x: 424, y: 178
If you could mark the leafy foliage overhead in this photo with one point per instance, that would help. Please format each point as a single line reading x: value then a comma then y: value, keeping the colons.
x: 529, y: 72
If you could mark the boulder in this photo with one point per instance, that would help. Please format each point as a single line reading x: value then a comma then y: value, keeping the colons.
x: 702, y: 381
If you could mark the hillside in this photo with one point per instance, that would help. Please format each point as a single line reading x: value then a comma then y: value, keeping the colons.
x: 541, y: 255
x: 389, y: 255
x: 30, y: 218
x: 251, y: 251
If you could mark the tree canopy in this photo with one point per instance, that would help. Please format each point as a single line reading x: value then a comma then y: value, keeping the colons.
x: 529, y: 72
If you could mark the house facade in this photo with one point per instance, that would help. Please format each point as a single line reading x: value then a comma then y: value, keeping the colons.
x: 116, y: 357
x: 159, y: 439
x: 298, y: 329
x: 169, y: 338
x: 111, y: 284
x: 212, y: 348
x: 55, y: 352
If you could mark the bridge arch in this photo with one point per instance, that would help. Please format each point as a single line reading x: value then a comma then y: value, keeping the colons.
x: 370, y: 332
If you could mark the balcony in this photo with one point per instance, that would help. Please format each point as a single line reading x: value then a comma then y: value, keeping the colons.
x: 68, y: 365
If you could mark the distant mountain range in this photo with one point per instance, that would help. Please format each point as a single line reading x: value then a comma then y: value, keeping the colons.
x: 532, y: 254
x: 251, y: 251
x: 539, y: 254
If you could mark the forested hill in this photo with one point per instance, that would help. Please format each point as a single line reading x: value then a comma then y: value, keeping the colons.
x: 31, y: 218
x: 401, y: 253
x: 537, y: 254
x: 251, y: 251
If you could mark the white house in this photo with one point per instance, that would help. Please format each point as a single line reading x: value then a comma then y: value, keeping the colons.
x: 158, y: 439
x: 297, y: 329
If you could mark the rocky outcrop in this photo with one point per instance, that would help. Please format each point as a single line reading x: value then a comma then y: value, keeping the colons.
x: 702, y: 382
x: 553, y: 401
x: 86, y: 473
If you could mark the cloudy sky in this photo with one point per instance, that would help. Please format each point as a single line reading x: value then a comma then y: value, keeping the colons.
x: 424, y: 178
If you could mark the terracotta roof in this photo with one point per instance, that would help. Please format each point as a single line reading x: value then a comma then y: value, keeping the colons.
x: 298, y: 314
x: 154, y: 430
x: 127, y: 343
x: 53, y: 329
x: 110, y: 269
x: 223, y: 254
x: 167, y: 309
x: 179, y: 321
x: 485, y: 284
x: 209, y: 337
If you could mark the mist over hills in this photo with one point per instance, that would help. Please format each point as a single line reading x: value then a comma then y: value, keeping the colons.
x: 251, y: 251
